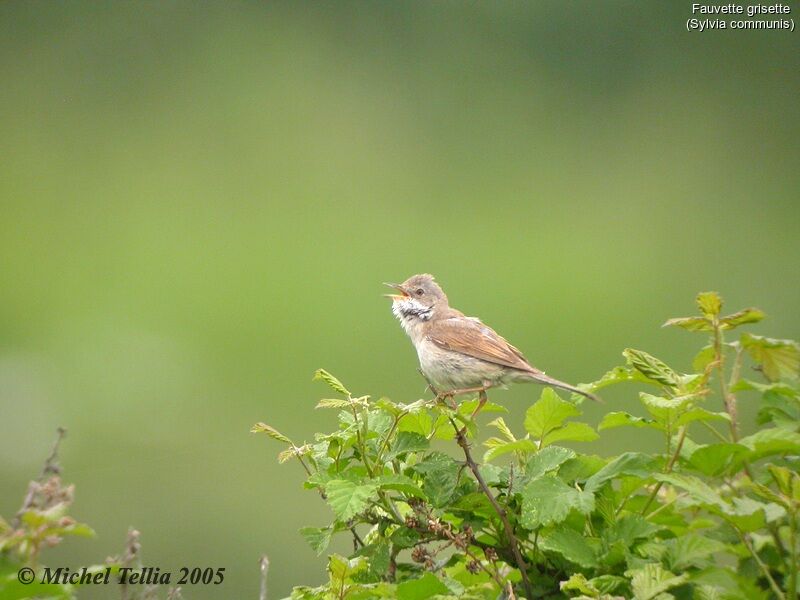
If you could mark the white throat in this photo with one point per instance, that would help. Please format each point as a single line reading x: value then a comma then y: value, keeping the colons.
x: 411, y: 314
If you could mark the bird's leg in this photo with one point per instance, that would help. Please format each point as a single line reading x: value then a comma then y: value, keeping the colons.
x: 480, y: 389
x: 482, y: 398
x: 439, y: 396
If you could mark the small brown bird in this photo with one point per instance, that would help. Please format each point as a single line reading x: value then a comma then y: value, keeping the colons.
x: 459, y: 354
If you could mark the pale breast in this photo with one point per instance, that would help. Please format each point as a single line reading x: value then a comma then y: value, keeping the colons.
x: 449, y: 370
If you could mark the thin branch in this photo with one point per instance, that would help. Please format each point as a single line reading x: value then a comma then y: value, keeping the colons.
x: 670, y: 463
x: 764, y: 568
x: 512, y: 539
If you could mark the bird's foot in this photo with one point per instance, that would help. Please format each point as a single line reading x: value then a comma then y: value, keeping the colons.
x: 447, y: 398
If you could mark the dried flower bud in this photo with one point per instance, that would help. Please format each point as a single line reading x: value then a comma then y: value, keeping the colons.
x: 434, y: 525
x: 419, y: 554
x: 490, y: 554
x: 473, y: 566
x: 412, y: 522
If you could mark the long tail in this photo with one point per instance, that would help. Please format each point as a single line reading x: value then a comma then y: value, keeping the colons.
x: 540, y: 377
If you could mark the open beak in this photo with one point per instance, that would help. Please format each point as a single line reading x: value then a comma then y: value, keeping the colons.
x: 399, y: 288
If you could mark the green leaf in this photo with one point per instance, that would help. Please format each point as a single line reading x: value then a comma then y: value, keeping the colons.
x: 440, y: 476
x: 271, y: 432
x: 348, y: 498
x: 709, y: 303
x: 715, y: 459
x: 629, y: 528
x: 379, y: 555
x: 421, y: 589
x: 768, y: 442
x: 417, y: 422
x: 548, y: 500
x: 690, y: 323
x: 572, y: 431
x: 578, y: 583
x: 630, y: 463
x: 547, y: 413
x: 499, y: 448
x: 703, y: 358
x: 400, y: 483
x: 778, y: 358
x: 700, y: 414
x: 623, y: 419
x: 649, y: 582
x: 696, y: 488
x: 408, y: 441
x: 317, y: 537
x: 333, y: 403
x: 651, y: 367
x: 618, y: 375
x: 333, y: 383
x: 742, y: 317
x: 500, y: 424
x: 690, y: 550
x: 546, y: 460
x: 571, y: 545
x: 581, y: 467
x: 342, y: 570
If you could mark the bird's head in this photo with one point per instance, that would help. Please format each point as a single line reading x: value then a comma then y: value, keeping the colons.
x: 419, y: 297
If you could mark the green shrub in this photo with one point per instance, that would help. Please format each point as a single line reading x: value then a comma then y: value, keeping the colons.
x: 538, y: 520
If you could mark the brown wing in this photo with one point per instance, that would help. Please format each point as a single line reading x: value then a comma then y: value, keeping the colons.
x: 471, y: 337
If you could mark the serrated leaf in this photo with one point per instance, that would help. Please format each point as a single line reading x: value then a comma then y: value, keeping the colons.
x: 333, y: 403
x: 317, y: 537
x: 342, y: 570
x: 580, y: 468
x: 650, y: 581
x: 709, y: 303
x: 546, y: 460
x: 778, y: 358
x: 700, y: 414
x: 618, y: 375
x: 571, y: 545
x: 714, y: 459
x: 333, y: 383
x: 742, y: 317
x: 285, y: 455
x: 690, y: 550
x: 440, y: 476
x: 348, y: 498
x: 703, y: 358
x: 417, y: 422
x: 768, y: 442
x: 689, y: 323
x: 500, y: 424
x: 270, y: 431
x: 578, y: 583
x: 400, y: 483
x: 696, y: 488
x: 651, y: 367
x: 547, y: 413
x: 629, y: 528
x: 630, y: 463
x: 408, y: 441
x: 572, y: 431
x: 548, y: 500
x: 499, y: 448
x: 623, y: 419
x: 423, y: 588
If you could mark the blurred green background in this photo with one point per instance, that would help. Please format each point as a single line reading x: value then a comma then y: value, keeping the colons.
x: 199, y: 201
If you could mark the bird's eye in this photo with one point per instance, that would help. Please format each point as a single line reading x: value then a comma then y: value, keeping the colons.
x: 419, y: 292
